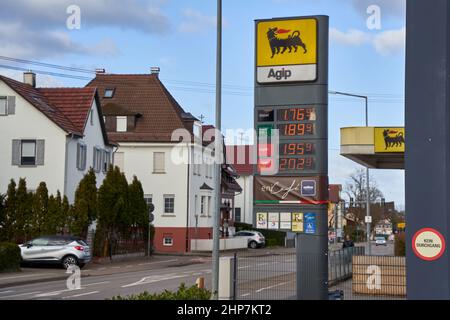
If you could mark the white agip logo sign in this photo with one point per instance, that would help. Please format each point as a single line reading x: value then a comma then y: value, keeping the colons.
x: 286, y: 50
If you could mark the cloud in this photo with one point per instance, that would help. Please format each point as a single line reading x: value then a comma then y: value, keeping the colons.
x: 145, y: 16
x: 18, y: 41
x: 388, y: 42
x: 352, y: 37
x: 394, y: 8
x: 37, y: 28
x: 195, y: 22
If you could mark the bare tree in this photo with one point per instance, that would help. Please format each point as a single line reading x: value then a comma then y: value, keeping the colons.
x: 356, y: 191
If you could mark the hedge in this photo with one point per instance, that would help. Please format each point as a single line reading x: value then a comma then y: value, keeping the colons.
x: 273, y: 237
x: 9, y: 257
x: 183, y: 293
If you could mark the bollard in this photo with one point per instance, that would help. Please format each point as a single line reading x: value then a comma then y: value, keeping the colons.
x: 226, y: 278
x: 200, y: 283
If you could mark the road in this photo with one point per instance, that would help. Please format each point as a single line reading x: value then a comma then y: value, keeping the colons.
x: 266, y: 275
x: 166, y: 274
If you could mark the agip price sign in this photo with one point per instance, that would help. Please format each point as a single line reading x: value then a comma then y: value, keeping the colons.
x: 287, y: 50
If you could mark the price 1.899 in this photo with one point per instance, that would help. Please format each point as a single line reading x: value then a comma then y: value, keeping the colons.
x: 296, y: 129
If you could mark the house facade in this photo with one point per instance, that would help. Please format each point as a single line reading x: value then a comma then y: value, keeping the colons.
x: 177, y: 177
x: 54, y: 135
x: 241, y: 157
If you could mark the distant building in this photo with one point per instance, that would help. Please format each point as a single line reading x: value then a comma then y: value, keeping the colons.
x: 240, y: 156
x: 51, y: 135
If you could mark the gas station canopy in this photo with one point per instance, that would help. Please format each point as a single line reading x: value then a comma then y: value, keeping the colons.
x: 374, y: 147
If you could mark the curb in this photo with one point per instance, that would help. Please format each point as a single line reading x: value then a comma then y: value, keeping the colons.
x: 34, y: 281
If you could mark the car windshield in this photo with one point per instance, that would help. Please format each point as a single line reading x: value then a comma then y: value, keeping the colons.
x: 380, y: 238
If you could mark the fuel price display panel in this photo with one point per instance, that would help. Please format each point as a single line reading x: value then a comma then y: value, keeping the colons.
x: 301, y: 143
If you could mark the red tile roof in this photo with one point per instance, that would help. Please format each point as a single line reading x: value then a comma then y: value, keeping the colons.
x: 241, y: 157
x: 35, y: 97
x: 74, y: 103
x: 160, y: 114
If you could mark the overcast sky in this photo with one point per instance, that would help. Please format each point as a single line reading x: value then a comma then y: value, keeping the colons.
x: 130, y: 36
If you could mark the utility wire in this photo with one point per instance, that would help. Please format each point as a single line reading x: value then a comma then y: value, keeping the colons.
x: 55, y: 74
x: 48, y: 65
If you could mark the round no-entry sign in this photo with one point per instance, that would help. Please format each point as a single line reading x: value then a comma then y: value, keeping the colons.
x: 428, y: 244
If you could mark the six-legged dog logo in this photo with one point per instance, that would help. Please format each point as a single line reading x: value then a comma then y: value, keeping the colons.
x: 280, y: 45
x: 393, y: 138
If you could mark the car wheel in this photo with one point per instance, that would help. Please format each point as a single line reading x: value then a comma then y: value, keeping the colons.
x: 253, y: 245
x: 68, y: 261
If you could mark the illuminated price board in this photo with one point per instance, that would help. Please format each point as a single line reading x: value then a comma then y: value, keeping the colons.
x: 297, y: 149
x: 296, y: 164
x: 297, y: 114
x: 296, y: 129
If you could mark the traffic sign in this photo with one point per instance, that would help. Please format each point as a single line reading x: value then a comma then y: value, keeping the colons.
x: 428, y: 244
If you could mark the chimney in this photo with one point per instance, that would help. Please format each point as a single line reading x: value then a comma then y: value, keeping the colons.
x: 29, y: 78
x: 155, y: 71
x: 100, y: 71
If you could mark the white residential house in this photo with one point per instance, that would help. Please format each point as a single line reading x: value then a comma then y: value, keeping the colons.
x: 54, y: 135
x: 141, y: 115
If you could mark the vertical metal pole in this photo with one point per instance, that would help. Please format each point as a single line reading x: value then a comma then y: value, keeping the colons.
x: 218, y: 143
x: 369, y: 247
x: 335, y: 223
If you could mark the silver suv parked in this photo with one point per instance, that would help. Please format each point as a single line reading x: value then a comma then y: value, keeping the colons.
x: 64, y: 250
x: 255, y: 238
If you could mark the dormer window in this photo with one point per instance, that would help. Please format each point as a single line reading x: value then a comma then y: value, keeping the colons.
x: 109, y: 93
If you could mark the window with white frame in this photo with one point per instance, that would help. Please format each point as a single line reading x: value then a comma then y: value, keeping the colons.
x: 97, y: 159
x: 203, y: 205
x: 28, y: 153
x: 91, y: 116
x: 159, y: 165
x: 81, y: 156
x: 121, y: 124
x: 106, y: 160
x: 3, y: 106
x: 169, y: 204
x: 167, y: 241
x: 148, y: 199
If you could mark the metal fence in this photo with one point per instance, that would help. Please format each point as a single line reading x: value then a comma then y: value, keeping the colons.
x: 265, y: 276
x: 272, y: 276
x: 340, y: 264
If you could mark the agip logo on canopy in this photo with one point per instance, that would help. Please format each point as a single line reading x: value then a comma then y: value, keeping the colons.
x: 286, y: 50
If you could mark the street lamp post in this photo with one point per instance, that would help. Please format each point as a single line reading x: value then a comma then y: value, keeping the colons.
x: 366, y: 99
x: 218, y: 166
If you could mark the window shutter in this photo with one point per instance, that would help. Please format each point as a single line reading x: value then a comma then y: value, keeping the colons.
x: 78, y: 156
x: 94, y: 161
x: 84, y: 156
x: 40, y: 152
x: 11, y: 105
x: 110, y: 123
x: 16, y: 152
x: 131, y: 123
